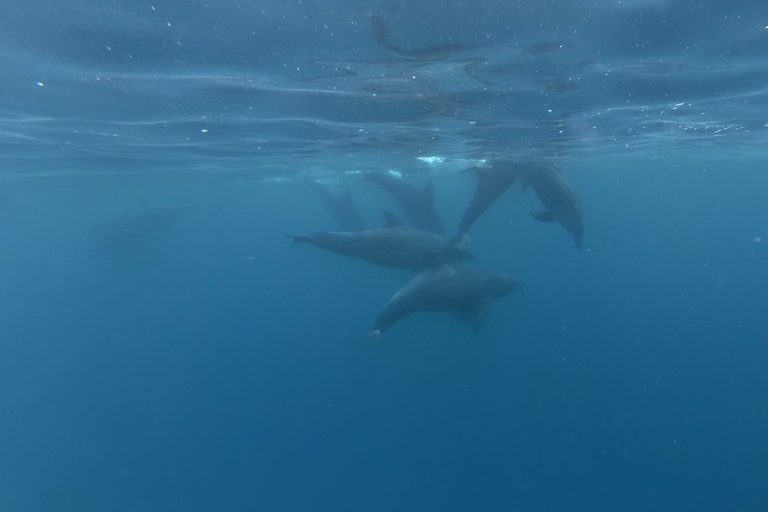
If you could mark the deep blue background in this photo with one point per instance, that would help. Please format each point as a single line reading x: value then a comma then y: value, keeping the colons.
x: 200, y: 360
x: 215, y: 370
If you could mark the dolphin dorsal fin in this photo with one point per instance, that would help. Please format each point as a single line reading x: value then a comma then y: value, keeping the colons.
x: 391, y: 220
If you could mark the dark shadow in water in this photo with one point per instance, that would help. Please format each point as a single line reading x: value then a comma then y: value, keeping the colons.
x: 136, y: 233
x: 339, y: 206
x: 435, y: 52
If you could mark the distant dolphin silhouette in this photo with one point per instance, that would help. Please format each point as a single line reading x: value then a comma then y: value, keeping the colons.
x: 131, y: 233
x: 418, y: 204
x: 494, y: 179
x: 466, y: 290
x: 339, y: 205
x: 436, y: 52
x: 558, y: 197
x: 394, y: 245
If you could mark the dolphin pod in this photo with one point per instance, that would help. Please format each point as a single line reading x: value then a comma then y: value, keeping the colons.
x: 444, y: 282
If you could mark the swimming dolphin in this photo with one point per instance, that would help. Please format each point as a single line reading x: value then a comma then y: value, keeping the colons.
x: 394, y: 245
x: 466, y: 290
x: 339, y: 205
x: 494, y: 179
x: 418, y: 204
x: 558, y: 197
x: 436, y: 52
x: 135, y: 232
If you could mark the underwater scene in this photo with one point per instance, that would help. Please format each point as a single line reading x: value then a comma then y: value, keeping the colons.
x: 357, y: 255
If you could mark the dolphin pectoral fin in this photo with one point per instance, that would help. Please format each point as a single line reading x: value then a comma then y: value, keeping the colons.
x: 476, y: 326
x: 391, y: 220
x: 481, y: 310
x: 545, y: 216
x: 475, y: 315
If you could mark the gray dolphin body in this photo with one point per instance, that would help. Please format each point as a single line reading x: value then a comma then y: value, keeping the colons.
x: 339, y: 206
x: 394, y: 245
x: 417, y: 203
x: 558, y: 197
x: 493, y: 180
x: 466, y: 290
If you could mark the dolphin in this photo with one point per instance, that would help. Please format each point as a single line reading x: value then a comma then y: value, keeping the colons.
x: 394, y: 245
x: 135, y: 232
x: 558, y: 197
x: 418, y: 204
x: 339, y: 205
x: 436, y: 52
x: 466, y: 290
x: 493, y: 180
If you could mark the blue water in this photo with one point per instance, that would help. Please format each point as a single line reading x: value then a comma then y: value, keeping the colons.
x: 163, y: 346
